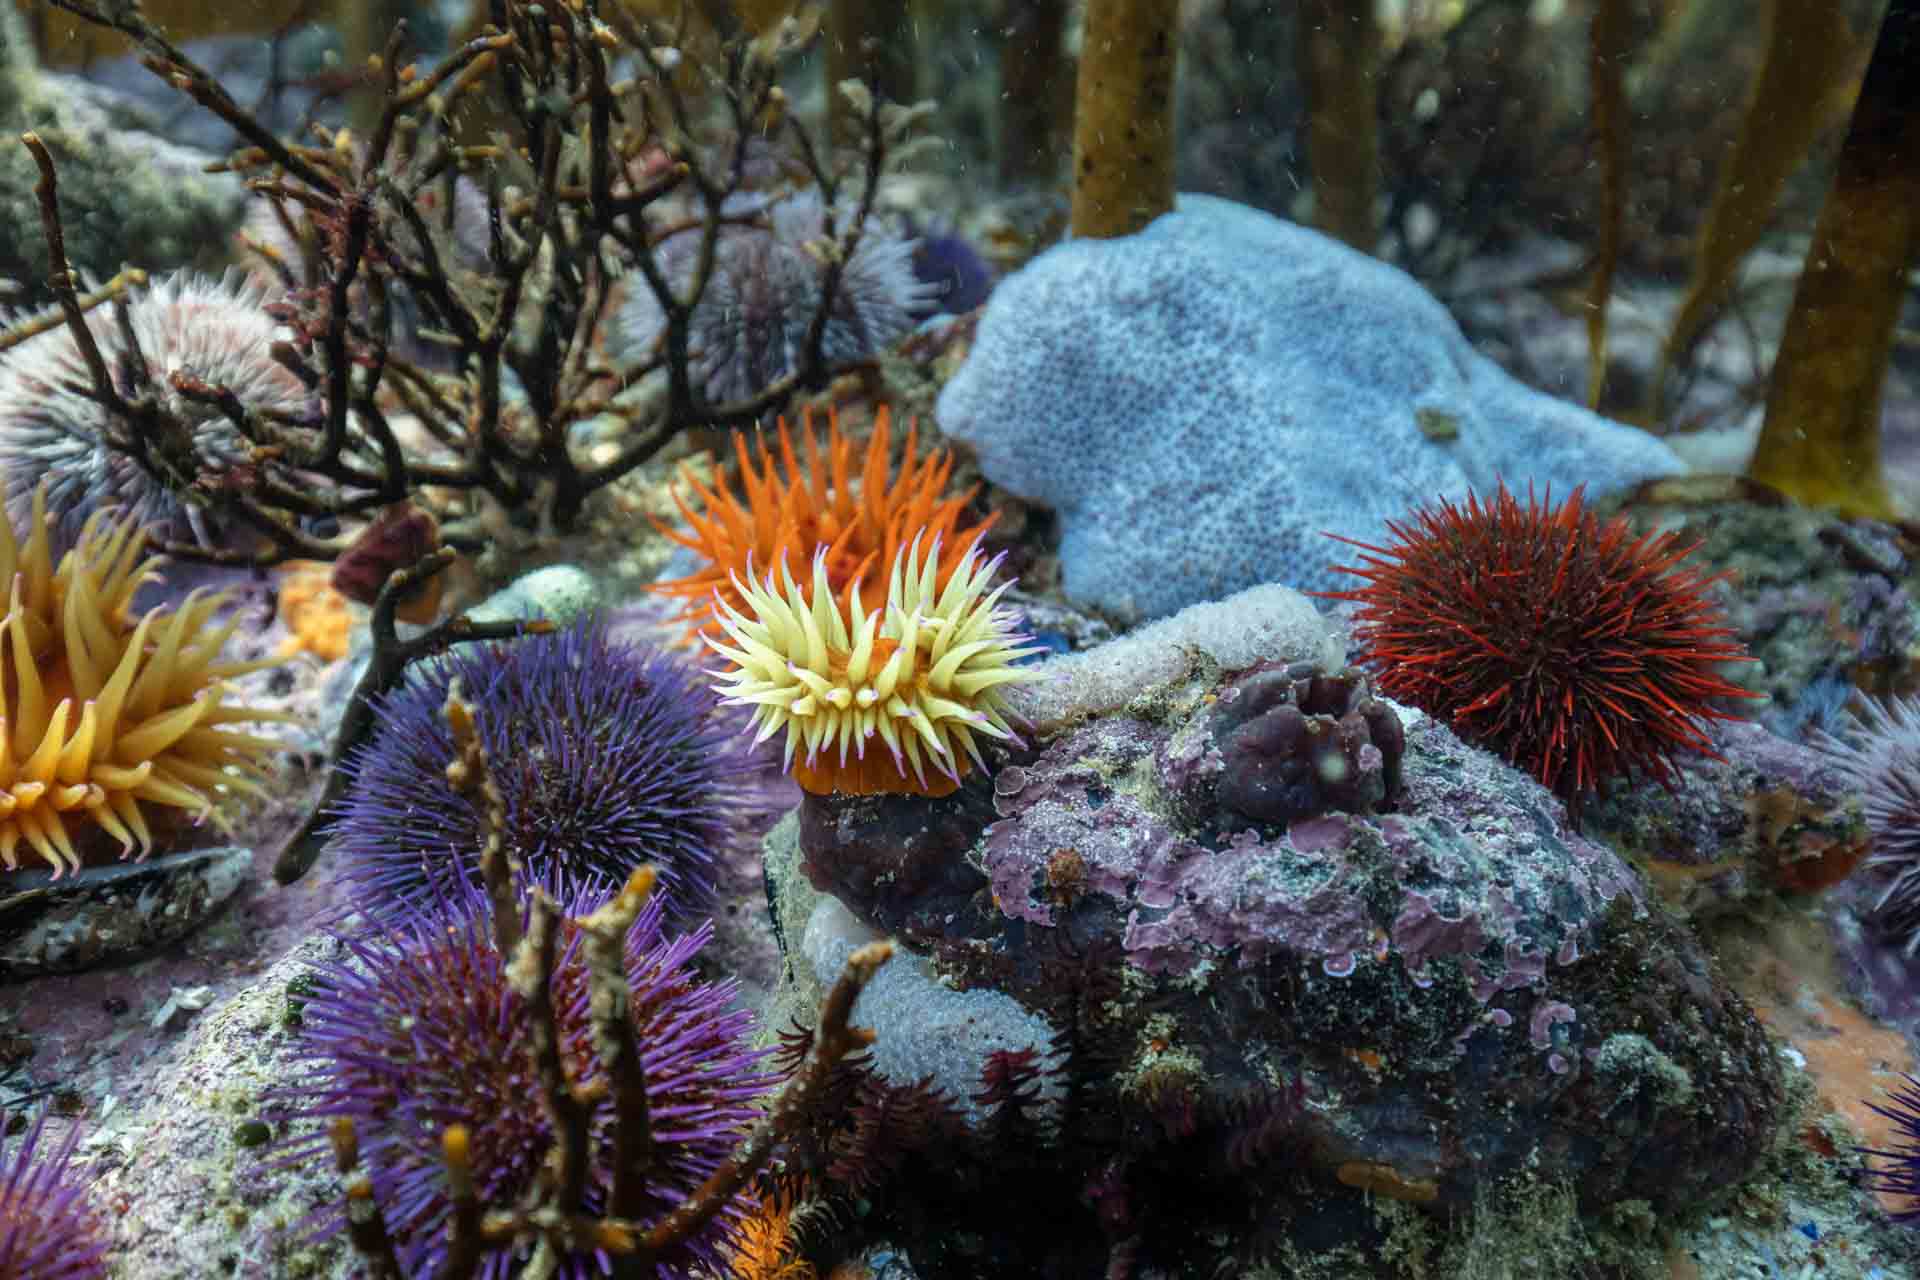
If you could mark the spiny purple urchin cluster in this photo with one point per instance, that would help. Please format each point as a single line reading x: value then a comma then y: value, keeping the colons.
x: 49, y: 1230
x: 608, y: 756
x: 1900, y: 1174
x: 419, y: 1028
x: 1879, y: 751
x: 750, y: 326
x: 53, y: 430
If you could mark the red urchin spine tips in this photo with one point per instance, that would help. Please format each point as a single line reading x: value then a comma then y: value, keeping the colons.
x: 1574, y: 648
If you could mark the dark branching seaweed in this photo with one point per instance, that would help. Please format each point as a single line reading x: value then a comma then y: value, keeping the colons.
x: 502, y: 259
x: 547, y: 1217
x: 593, y: 119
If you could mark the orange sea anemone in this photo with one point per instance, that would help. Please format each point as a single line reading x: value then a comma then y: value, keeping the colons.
x: 762, y: 1247
x: 926, y: 674
x: 862, y: 527
x: 102, y: 714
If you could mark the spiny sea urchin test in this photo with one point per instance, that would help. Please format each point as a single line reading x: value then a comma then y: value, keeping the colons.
x: 608, y: 756
x: 790, y: 511
x: 419, y: 1028
x: 53, y: 432
x: 750, y: 327
x: 1575, y: 649
x: 1897, y: 1172
x: 1879, y: 751
x: 926, y: 676
x: 104, y: 715
x: 49, y: 1230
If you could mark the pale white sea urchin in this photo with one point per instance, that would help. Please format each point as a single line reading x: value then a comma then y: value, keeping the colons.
x: 926, y: 674
x: 53, y: 433
x: 1879, y: 751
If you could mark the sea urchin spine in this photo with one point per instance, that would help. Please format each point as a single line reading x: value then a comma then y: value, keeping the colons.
x: 608, y: 755
x: 926, y: 677
x: 48, y: 1228
x: 423, y: 1026
x: 1575, y: 648
x: 1879, y: 752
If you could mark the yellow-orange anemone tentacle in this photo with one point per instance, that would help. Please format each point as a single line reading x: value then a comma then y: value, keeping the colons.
x: 862, y: 517
x: 103, y: 715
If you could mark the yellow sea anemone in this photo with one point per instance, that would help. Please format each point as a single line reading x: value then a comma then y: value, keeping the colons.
x: 926, y: 675
x: 101, y: 714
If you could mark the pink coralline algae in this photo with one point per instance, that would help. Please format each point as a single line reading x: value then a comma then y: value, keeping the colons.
x: 1479, y: 986
x: 1486, y: 882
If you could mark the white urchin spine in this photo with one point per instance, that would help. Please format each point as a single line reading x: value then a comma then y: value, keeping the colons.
x: 1880, y: 753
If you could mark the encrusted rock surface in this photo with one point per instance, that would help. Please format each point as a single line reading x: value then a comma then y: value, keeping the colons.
x: 1772, y: 817
x: 1462, y: 987
x: 201, y: 1190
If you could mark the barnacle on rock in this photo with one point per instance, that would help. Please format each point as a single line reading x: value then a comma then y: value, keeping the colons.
x: 788, y: 510
x: 103, y: 714
x: 926, y: 676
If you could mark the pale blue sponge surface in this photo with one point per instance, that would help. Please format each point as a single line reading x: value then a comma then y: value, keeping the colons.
x: 1203, y: 402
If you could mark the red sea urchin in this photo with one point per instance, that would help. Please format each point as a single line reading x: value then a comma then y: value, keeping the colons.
x: 420, y: 1027
x: 1574, y: 648
x: 48, y: 1228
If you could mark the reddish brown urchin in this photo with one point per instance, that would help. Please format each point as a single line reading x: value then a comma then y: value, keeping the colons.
x: 1573, y: 647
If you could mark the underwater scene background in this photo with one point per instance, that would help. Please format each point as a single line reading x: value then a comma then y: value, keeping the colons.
x: 833, y: 639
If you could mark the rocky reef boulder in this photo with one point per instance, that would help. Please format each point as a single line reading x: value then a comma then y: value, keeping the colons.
x: 1295, y: 889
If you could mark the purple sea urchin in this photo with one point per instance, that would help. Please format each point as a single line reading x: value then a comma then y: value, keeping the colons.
x: 609, y: 757
x: 750, y: 326
x: 51, y: 429
x: 48, y: 1228
x: 420, y: 1028
x: 1879, y: 751
x: 1900, y: 1174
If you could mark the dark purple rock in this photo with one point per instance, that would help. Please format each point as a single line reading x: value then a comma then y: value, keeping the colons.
x: 1282, y: 744
x: 898, y: 860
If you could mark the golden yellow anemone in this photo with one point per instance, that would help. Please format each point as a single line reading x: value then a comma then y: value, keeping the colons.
x: 102, y: 714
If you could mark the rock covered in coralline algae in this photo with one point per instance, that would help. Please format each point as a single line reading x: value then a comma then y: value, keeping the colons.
x: 1463, y: 986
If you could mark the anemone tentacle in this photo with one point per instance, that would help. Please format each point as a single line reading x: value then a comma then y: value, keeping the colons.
x: 925, y: 674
